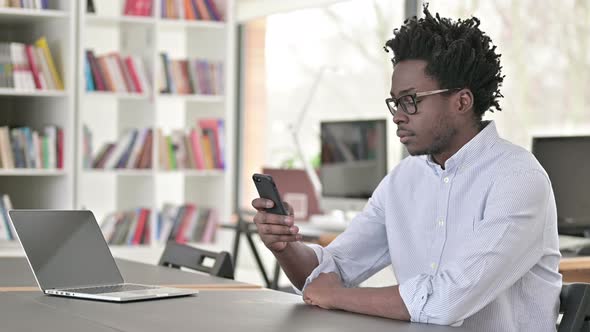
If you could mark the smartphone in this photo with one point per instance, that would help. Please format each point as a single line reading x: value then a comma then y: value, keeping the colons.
x: 268, y: 189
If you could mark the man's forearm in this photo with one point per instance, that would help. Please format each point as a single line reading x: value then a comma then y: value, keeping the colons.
x: 384, y: 302
x: 298, y: 261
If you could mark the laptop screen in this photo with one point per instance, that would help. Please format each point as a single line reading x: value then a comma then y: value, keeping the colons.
x: 65, y: 248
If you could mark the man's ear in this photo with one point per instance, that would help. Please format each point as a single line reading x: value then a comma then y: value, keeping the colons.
x: 464, y: 101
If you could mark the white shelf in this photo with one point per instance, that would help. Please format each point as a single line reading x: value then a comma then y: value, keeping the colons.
x: 116, y: 95
x: 32, y: 172
x: 197, y: 24
x: 11, y: 249
x: 194, y: 172
x: 194, y: 98
x: 92, y: 19
x: 125, y: 172
x: 32, y: 93
x: 111, y: 114
x: 19, y: 15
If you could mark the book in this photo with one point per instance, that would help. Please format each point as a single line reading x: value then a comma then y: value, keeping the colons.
x: 179, y: 149
x: 103, y: 155
x: 6, y: 148
x: 207, y: 152
x: 196, y: 146
x: 22, y: 74
x: 124, y: 70
x: 189, y: 212
x: 88, y: 75
x: 163, y: 159
x: 97, y: 77
x: 210, y: 230
x: 7, y: 205
x: 171, y: 152
x: 137, y: 148
x: 134, y: 74
x: 5, y: 228
x: 106, y: 73
x: 59, y: 145
x: 190, y: 14
x: 116, y: 73
x: 202, y: 9
x: 190, y: 156
x: 142, y: 225
x: 176, y: 223
x: 145, y: 160
x: 42, y: 44
x: 213, y: 10
x: 142, y: 72
x: 44, y: 69
x: 165, y: 70
x: 34, y: 67
x: 210, y: 127
x: 120, y: 148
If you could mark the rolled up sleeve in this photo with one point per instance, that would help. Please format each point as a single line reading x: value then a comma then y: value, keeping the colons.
x: 361, y: 250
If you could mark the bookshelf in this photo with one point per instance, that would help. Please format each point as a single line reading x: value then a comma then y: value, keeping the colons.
x: 31, y: 187
x: 110, y: 114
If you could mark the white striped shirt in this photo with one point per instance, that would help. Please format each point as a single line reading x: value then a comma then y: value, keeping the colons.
x: 473, y: 244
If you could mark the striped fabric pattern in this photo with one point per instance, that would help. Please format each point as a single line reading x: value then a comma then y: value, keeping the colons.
x: 474, y: 244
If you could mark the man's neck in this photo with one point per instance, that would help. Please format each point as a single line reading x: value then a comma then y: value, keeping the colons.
x: 462, y: 138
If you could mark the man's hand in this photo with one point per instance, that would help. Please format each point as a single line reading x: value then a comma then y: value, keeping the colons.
x: 275, y: 230
x: 321, y: 290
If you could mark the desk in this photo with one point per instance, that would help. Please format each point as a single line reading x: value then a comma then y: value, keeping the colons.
x: 17, y: 276
x: 575, y: 269
x: 213, y: 310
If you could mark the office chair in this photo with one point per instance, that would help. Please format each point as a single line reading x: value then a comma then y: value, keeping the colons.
x: 177, y: 255
x: 575, y: 306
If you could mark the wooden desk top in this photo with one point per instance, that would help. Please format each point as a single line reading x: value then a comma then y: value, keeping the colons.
x: 574, y: 263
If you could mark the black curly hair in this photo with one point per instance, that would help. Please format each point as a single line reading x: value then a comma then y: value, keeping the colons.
x: 458, y: 55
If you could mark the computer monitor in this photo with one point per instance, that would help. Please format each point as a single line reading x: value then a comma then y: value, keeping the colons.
x: 567, y: 162
x: 353, y: 162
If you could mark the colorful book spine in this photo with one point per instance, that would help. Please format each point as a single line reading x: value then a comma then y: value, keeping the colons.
x: 42, y: 44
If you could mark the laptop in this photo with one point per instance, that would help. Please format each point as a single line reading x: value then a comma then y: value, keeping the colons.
x: 70, y: 257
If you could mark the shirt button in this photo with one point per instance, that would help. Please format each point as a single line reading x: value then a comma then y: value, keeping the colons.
x: 441, y: 222
x: 433, y: 266
x: 446, y: 180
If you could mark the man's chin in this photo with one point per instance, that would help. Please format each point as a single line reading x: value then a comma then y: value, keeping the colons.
x: 416, y: 152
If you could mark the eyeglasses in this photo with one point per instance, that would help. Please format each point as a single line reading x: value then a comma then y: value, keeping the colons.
x: 408, y: 102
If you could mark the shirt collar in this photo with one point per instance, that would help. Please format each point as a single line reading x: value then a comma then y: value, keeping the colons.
x: 469, y: 152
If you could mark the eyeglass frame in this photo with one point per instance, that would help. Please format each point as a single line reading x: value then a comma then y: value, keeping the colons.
x: 414, y: 96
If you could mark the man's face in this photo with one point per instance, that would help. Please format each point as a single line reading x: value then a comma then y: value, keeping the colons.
x: 430, y: 129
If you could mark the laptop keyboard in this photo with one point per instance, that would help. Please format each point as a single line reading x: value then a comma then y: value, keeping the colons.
x: 108, y: 289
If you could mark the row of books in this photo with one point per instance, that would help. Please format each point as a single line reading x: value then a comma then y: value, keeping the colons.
x: 28, y: 67
x: 179, y: 223
x: 196, y: 76
x: 112, y: 72
x: 206, y: 10
x: 23, y: 147
x: 198, y: 148
x: 29, y: 4
x: 132, y: 151
x: 186, y: 223
x: 127, y: 227
x: 6, y: 230
x: 138, y: 8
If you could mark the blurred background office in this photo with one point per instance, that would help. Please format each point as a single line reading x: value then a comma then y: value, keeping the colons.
x: 209, y: 92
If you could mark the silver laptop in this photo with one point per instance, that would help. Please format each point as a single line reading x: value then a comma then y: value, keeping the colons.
x: 70, y: 257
